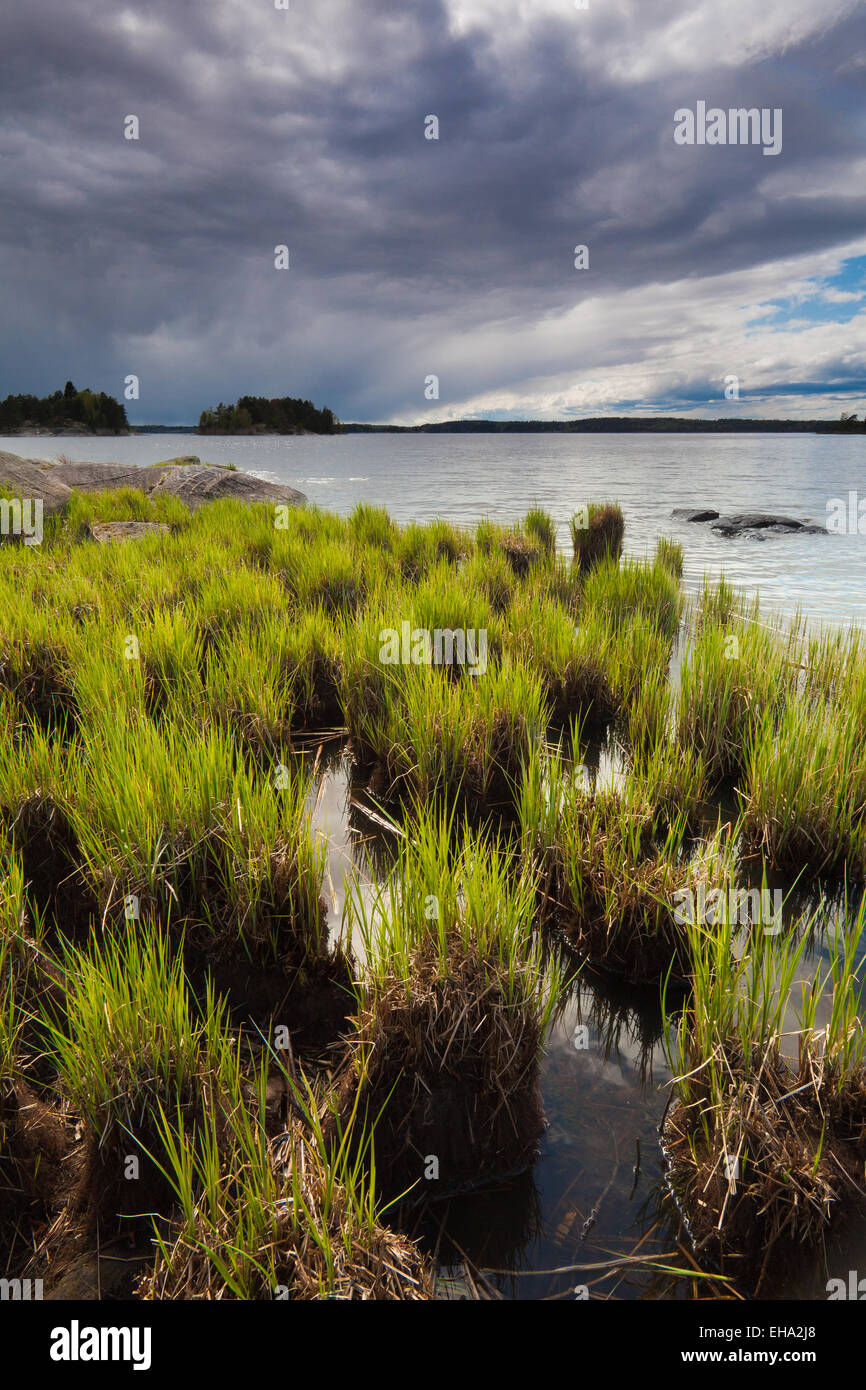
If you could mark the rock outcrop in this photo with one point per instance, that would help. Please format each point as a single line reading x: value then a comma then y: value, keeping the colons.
x: 194, y: 483
x: 33, y: 478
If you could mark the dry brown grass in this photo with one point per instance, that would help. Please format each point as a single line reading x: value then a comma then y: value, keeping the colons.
x: 798, y: 1141
x: 313, y: 1245
x: 453, y: 1067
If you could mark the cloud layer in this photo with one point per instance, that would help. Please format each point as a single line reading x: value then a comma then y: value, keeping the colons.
x: 454, y: 257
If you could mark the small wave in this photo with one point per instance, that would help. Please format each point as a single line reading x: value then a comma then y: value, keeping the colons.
x: 359, y: 480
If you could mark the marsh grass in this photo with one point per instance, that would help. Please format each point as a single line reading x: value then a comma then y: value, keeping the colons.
x: 805, y: 790
x: 718, y: 605
x: 293, y: 1219
x: 675, y: 780
x: 133, y: 1043
x: 120, y: 504
x: 35, y: 807
x: 492, y: 577
x: 833, y: 664
x: 324, y: 576
x: 12, y: 966
x: 669, y: 553
x: 611, y: 866
x: 463, y: 740
x: 372, y: 526
x: 573, y: 661
x: 648, y: 713
x: 597, y: 534
x: 171, y: 652
x: 523, y: 550
x: 453, y: 1007
x: 421, y: 547
x: 246, y: 689
x: 540, y: 526
x: 766, y: 1148
x: 37, y: 654
x: 729, y: 681
x: 633, y: 591
x: 16, y: 1026
x: 175, y: 820
x: 171, y: 786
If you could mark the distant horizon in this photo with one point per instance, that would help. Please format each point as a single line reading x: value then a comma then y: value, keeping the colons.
x: 722, y: 423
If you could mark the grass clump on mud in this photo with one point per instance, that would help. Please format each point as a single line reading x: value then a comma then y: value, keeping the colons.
x: 132, y: 1043
x: 176, y: 822
x: 612, y: 870
x: 765, y: 1138
x: 293, y: 1218
x: 597, y: 532
x: 453, y: 1005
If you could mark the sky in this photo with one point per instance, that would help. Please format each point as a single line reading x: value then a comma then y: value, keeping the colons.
x: 721, y: 280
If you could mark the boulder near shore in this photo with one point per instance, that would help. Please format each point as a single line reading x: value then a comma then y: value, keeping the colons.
x: 192, y: 481
x: 749, y: 523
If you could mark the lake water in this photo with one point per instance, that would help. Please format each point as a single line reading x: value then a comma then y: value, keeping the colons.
x: 463, y: 477
x: 597, y: 1192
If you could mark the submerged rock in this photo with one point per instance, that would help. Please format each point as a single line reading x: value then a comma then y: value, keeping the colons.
x: 741, y: 522
x: 694, y: 513
x: 753, y: 524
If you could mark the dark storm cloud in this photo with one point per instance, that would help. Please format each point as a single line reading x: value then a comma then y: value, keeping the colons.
x: 408, y: 256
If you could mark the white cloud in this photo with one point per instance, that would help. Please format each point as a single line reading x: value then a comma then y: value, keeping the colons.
x: 656, y: 342
x: 639, y: 40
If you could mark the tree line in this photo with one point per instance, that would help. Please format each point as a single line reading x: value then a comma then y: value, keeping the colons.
x: 95, y: 410
x: 258, y: 415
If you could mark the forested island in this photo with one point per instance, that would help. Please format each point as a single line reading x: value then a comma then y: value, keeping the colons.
x: 258, y: 415
x: 65, y: 412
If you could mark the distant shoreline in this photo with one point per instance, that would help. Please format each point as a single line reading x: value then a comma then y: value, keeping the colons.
x: 595, y: 425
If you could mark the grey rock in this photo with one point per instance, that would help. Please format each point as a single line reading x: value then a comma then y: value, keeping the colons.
x: 31, y: 478
x: 99, y: 477
x: 759, y: 520
x: 763, y: 523
x: 694, y: 513
x: 203, y: 483
x: 194, y: 483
